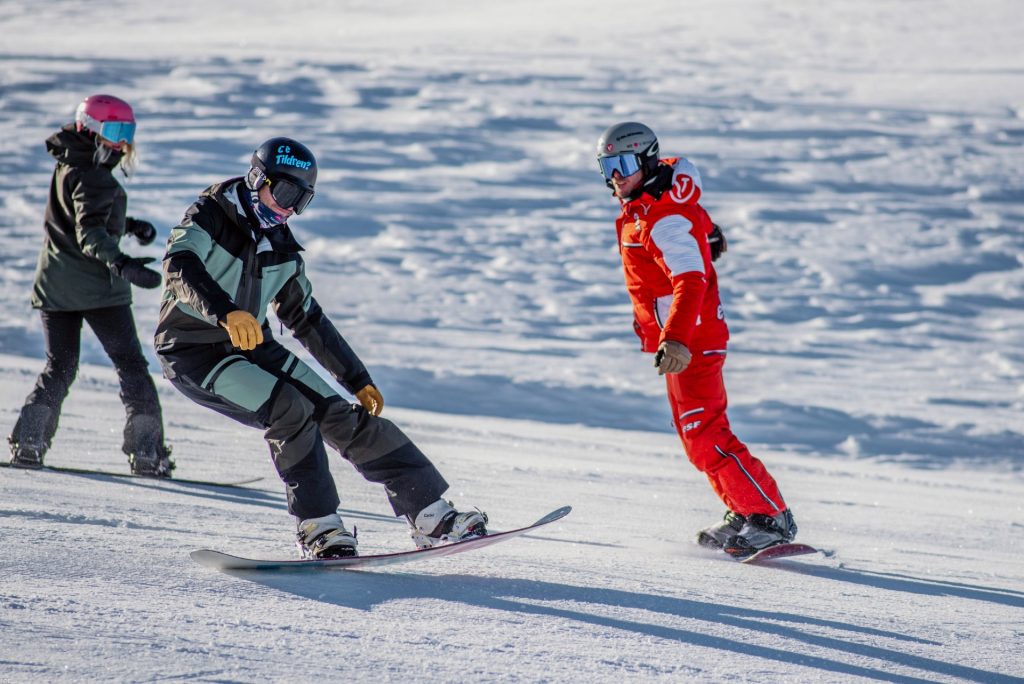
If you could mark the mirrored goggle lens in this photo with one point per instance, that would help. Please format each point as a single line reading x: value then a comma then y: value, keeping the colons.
x: 625, y: 164
x: 118, y: 131
x: 288, y: 195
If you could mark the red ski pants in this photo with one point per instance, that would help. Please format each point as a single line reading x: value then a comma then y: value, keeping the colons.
x: 698, y: 401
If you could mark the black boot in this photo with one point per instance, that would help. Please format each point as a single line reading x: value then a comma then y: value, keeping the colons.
x: 26, y: 455
x: 152, y: 462
x: 31, y: 436
x: 144, y: 444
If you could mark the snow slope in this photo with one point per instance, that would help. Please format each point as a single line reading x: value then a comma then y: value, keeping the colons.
x: 864, y: 160
x: 917, y: 582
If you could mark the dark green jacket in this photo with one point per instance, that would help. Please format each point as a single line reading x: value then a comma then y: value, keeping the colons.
x: 214, y: 265
x: 85, y: 218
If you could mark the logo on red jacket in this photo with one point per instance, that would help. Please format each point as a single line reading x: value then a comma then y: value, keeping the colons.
x: 682, y: 189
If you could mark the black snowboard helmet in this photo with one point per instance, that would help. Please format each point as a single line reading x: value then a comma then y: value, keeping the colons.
x: 289, y: 167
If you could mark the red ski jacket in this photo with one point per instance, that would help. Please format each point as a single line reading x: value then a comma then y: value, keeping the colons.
x: 663, y: 242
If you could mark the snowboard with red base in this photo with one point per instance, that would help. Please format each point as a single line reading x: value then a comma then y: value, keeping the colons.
x: 225, y: 561
x: 778, y: 551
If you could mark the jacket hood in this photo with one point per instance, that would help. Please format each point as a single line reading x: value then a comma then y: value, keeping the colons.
x: 77, y: 148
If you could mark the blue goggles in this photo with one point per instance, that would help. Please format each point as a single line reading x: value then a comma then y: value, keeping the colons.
x: 625, y: 164
x: 118, y: 131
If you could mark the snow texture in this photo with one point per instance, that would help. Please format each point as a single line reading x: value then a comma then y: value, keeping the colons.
x: 864, y: 161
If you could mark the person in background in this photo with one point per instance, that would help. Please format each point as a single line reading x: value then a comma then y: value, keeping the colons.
x: 82, y: 275
x: 667, y: 244
x: 231, y: 257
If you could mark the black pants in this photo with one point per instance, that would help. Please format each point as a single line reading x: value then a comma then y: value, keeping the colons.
x: 62, y: 332
x: 270, y: 388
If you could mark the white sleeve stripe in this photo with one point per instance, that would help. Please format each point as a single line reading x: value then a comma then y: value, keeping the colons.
x: 678, y: 246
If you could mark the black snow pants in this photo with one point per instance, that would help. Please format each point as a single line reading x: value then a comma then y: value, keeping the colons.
x: 270, y: 388
x: 115, y: 328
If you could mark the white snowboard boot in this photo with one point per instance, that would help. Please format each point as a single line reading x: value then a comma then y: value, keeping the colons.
x: 326, y: 537
x: 440, y: 523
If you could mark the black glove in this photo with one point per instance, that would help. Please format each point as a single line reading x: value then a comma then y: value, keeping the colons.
x: 144, y: 231
x: 135, y: 272
x: 716, y: 239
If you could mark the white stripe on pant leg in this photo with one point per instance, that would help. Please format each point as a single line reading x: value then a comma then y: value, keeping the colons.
x: 690, y: 413
x: 744, y: 471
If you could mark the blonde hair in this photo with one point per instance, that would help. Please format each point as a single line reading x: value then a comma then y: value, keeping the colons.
x: 129, y: 156
x: 130, y: 160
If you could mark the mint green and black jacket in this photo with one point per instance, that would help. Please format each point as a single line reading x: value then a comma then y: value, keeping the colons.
x: 214, y: 265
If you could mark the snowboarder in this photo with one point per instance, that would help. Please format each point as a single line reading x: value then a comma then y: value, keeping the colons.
x: 82, y: 275
x: 231, y: 257
x: 667, y: 244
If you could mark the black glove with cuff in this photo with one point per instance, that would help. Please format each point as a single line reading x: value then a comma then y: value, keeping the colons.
x: 133, y: 269
x: 144, y: 231
x: 716, y: 239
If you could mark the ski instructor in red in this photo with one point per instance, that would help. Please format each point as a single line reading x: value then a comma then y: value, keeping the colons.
x: 668, y: 243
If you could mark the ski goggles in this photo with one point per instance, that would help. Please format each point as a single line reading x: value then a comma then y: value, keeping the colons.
x: 118, y: 131
x: 289, y: 195
x: 114, y: 131
x: 625, y: 164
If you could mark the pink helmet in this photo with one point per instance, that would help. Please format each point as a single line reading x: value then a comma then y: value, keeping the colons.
x: 107, y: 116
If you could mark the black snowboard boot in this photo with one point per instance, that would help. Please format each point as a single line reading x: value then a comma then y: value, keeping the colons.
x: 152, y: 462
x: 30, y: 438
x: 26, y: 455
x: 144, y: 444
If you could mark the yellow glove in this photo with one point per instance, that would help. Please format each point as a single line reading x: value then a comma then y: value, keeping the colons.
x: 672, y: 357
x: 371, y: 400
x: 244, y: 329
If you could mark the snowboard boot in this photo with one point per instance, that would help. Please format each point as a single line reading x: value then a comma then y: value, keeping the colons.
x: 761, y: 531
x: 26, y: 455
x: 151, y: 461
x: 440, y: 523
x: 31, y: 436
x: 144, y: 443
x: 717, y: 535
x: 324, y: 538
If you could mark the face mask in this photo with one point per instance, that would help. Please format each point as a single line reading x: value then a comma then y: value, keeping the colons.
x: 267, y: 217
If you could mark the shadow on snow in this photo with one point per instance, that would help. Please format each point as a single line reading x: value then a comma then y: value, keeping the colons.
x: 364, y: 591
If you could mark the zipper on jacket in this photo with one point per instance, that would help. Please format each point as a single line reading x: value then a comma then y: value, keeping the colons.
x: 249, y: 284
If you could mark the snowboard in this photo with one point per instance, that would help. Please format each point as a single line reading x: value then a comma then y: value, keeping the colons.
x: 108, y: 473
x: 224, y: 561
x: 779, y: 551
